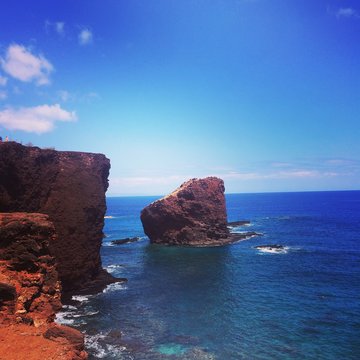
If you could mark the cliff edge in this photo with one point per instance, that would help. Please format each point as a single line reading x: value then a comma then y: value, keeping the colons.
x: 69, y: 187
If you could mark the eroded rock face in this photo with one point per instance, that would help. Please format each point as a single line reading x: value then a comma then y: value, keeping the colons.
x: 29, y: 288
x: 69, y: 187
x: 194, y: 214
x: 30, y: 293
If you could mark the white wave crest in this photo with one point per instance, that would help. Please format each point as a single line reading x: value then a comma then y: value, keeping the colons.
x: 89, y: 313
x: 99, y: 349
x: 80, y: 298
x: 112, y: 268
x: 64, y: 318
x: 114, y: 287
x: 271, y: 250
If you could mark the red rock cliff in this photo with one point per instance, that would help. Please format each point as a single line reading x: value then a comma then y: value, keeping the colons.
x: 30, y: 293
x: 29, y: 286
x: 69, y: 187
x: 194, y: 214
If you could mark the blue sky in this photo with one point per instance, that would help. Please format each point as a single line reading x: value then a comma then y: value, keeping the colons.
x: 264, y: 94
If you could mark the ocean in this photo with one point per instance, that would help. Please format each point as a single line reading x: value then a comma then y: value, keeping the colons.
x: 236, y: 301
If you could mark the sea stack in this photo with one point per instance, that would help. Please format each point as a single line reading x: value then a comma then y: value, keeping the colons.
x: 70, y: 188
x: 192, y: 215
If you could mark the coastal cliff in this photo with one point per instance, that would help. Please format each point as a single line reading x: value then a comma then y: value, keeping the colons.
x: 30, y: 292
x: 69, y: 187
x: 192, y: 215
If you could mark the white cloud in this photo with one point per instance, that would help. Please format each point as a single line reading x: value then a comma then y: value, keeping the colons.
x: 85, y: 37
x: 3, y: 80
x: 21, y: 64
x: 347, y: 12
x: 3, y: 95
x: 37, y: 119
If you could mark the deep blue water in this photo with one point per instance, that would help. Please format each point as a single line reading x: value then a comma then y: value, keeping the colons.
x: 233, y: 302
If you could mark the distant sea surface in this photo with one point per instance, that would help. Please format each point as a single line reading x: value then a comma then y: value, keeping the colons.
x: 232, y: 302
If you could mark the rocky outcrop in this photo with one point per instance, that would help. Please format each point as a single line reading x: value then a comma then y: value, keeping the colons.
x: 69, y: 187
x: 194, y: 214
x: 30, y: 291
x: 125, y: 241
x: 29, y: 288
x: 24, y: 342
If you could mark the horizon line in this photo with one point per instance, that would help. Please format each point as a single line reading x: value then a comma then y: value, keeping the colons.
x: 241, y: 193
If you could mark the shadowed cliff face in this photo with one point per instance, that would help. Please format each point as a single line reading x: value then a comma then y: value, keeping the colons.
x: 69, y: 187
x: 194, y: 214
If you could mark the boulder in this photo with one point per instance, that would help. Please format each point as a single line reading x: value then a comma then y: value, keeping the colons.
x: 192, y: 215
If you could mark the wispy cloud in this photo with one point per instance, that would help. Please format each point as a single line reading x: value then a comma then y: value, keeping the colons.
x: 258, y: 179
x: 37, y: 119
x: 279, y: 164
x: 139, y: 185
x: 85, y: 37
x: 347, y: 13
x: 3, y: 95
x: 135, y: 181
x: 60, y: 27
x: 64, y: 95
x: 22, y: 64
x: 339, y: 162
x: 291, y: 174
x: 57, y: 26
x: 3, y: 80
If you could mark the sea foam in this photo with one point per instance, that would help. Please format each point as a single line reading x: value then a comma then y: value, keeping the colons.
x: 100, y: 349
x: 271, y: 250
x: 114, y: 287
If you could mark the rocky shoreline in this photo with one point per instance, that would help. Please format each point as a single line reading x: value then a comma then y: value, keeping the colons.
x: 51, y: 230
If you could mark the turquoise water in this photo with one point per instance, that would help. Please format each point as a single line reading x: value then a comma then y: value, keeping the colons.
x: 233, y: 302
